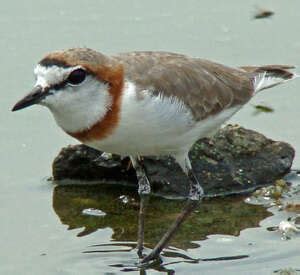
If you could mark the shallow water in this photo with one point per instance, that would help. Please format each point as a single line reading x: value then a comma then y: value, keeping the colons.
x: 36, y: 216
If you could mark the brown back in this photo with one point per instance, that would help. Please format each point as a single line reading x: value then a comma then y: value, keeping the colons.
x: 204, y: 86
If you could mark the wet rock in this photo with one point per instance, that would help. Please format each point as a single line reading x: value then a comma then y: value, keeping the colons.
x: 274, y: 192
x: 235, y: 160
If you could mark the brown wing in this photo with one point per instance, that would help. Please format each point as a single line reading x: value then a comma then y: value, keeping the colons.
x: 205, y: 87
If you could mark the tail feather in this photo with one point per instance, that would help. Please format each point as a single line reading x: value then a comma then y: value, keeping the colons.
x: 265, y: 77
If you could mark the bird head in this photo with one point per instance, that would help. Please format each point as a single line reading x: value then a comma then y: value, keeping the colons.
x: 78, y: 85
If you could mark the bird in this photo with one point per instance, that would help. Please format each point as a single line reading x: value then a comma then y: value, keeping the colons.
x: 146, y: 103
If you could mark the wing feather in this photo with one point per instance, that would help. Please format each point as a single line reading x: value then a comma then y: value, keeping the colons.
x: 205, y: 87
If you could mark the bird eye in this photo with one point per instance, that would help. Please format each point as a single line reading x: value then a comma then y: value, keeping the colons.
x: 76, y: 77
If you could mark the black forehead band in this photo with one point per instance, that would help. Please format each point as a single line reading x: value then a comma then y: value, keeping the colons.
x: 49, y: 62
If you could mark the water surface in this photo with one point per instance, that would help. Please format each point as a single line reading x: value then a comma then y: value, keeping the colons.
x: 42, y: 228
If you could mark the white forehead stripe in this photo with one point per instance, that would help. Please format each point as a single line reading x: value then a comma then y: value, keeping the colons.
x: 48, y: 76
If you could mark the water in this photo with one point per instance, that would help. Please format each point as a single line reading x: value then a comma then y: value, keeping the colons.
x: 34, y: 229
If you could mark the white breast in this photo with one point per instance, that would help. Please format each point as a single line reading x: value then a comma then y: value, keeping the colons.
x: 156, y: 125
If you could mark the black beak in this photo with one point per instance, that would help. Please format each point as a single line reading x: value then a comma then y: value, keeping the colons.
x: 34, y: 97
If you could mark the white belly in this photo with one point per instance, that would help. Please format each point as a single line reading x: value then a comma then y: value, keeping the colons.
x: 153, y: 125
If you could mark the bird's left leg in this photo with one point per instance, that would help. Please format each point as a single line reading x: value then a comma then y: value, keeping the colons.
x: 144, y: 184
x: 196, y: 191
x: 144, y: 191
x: 195, y: 195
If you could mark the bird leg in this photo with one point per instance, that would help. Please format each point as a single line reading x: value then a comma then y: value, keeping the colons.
x: 187, y: 210
x: 144, y: 184
x: 140, y: 243
x: 196, y: 191
x: 144, y: 191
x: 195, y: 195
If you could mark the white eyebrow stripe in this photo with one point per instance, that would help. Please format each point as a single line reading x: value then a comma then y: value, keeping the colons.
x: 52, y: 75
x: 41, y: 82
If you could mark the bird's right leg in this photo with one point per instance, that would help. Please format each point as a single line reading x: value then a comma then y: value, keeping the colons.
x: 195, y: 195
x: 144, y: 191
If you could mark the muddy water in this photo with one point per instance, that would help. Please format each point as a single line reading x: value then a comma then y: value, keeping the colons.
x: 42, y: 228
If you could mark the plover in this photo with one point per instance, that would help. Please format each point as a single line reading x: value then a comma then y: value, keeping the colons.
x: 145, y: 103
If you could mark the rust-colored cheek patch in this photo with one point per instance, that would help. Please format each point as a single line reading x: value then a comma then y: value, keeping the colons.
x: 105, y: 127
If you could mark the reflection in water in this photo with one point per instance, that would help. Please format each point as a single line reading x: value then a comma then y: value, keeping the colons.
x: 214, y: 216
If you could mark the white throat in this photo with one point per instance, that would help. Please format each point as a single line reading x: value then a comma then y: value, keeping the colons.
x: 81, y: 110
x: 75, y: 108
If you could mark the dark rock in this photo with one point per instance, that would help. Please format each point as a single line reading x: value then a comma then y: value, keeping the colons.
x: 235, y: 160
